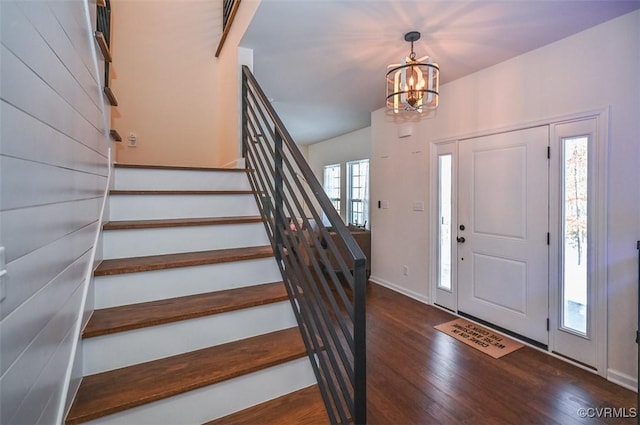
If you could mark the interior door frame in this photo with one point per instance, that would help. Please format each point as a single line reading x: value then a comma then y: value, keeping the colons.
x: 599, y: 244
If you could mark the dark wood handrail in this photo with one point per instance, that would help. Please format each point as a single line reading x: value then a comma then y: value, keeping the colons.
x: 228, y: 17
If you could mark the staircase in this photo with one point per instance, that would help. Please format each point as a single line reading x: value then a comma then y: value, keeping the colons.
x: 192, y: 323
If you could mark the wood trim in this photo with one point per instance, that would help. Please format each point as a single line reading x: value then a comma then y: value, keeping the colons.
x: 124, y: 318
x: 185, y: 259
x: 110, y: 96
x: 104, y: 47
x: 227, y: 28
x: 179, y: 222
x: 172, y: 167
x: 115, y: 135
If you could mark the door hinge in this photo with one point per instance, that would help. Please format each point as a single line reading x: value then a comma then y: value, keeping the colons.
x: 549, y: 152
x: 548, y: 238
x: 547, y: 323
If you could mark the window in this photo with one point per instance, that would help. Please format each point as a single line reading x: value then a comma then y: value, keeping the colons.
x: 444, y: 221
x: 332, y: 184
x: 358, y: 192
x: 574, y: 233
x: 578, y: 262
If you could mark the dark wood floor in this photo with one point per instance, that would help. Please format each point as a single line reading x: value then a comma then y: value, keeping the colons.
x: 417, y: 375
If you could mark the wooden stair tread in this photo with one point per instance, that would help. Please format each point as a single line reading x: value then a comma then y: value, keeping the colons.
x: 185, y: 259
x: 135, y: 316
x: 113, y: 133
x: 177, y: 167
x: 114, y: 391
x: 111, y: 97
x: 302, y: 407
x: 179, y: 222
x: 181, y: 192
x: 104, y: 46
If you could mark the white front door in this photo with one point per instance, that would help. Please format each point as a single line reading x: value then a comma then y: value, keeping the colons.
x: 502, y: 230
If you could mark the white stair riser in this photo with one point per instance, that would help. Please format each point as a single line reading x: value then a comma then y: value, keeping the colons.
x: 148, y: 207
x: 168, y: 240
x: 132, y: 288
x: 151, y: 179
x: 155, y: 342
x: 208, y: 403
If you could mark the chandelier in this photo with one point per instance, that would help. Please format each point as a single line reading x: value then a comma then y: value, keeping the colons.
x: 413, y: 84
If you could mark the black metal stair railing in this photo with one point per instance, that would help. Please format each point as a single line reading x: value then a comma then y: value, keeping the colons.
x: 329, y: 305
x: 103, y: 25
x: 229, y: 10
x: 227, y: 7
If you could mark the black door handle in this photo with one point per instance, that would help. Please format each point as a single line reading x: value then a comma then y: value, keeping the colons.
x: 461, y: 239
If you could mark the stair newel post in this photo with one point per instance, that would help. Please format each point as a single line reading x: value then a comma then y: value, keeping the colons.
x: 245, y: 132
x: 638, y: 331
x: 280, y: 225
x: 359, y: 338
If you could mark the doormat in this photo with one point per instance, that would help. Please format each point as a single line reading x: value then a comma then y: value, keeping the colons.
x: 480, y: 338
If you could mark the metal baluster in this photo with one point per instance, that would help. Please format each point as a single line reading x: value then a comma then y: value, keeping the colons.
x: 334, y: 336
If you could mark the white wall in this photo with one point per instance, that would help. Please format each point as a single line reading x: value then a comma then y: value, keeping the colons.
x: 227, y: 114
x: 53, y: 172
x: 597, y: 68
x: 338, y: 150
x: 173, y: 93
x: 165, y: 75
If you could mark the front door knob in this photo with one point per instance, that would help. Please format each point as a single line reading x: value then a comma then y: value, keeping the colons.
x: 461, y: 239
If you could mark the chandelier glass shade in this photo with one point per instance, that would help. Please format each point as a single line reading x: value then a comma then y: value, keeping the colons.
x: 413, y: 84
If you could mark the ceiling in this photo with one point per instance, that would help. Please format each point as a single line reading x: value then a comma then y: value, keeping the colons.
x: 323, y: 62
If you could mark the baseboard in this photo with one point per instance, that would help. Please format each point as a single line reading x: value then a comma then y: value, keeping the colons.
x: 236, y: 163
x: 622, y: 379
x: 404, y: 291
x: 73, y: 374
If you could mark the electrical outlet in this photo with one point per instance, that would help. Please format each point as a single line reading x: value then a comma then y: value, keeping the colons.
x: 418, y: 206
x: 405, y: 270
x: 133, y: 140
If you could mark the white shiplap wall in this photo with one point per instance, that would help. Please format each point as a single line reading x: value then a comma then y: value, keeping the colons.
x: 53, y: 174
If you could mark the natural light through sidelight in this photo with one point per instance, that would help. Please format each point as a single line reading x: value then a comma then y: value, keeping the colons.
x: 574, y: 234
x: 358, y: 196
x: 444, y: 221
